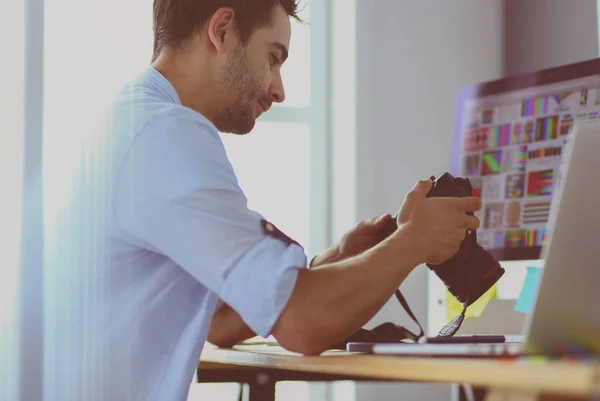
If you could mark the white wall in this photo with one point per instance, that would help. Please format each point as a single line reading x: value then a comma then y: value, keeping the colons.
x: 547, y: 33
x: 412, y: 57
x: 542, y: 34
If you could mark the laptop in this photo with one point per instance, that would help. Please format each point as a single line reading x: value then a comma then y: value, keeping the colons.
x: 566, y: 315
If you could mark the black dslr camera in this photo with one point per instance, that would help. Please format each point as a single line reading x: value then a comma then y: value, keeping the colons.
x: 467, y: 275
x: 472, y: 271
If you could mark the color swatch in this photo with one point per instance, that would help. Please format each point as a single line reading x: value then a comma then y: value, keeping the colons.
x: 492, y: 187
x: 515, y: 158
x: 476, y: 184
x: 583, y: 97
x: 565, y: 129
x: 515, y: 238
x: 508, y: 112
x: 487, y: 115
x: 512, y: 214
x: 561, y: 96
x: 528, y: 132
x: 471, y: 166
x: 493, y: 215
x: 539, y: 183
x: 498, y: 240
x: 536, y: 237
x: 476, y: 139
x: 515, y: 186
x: 536, y: 106
x: 566, y: 123
x: 491, y: 162
x: 516, y: 135
x: 544, y: 153
x: 546, y: 128
x: 499, y: 136
x: 536, y: 212
x: 484, y: 238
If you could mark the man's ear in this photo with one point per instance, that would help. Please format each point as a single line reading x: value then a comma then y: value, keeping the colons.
x: 222, y: 30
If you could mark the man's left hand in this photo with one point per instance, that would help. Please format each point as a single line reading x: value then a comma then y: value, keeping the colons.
x: 363, y: 236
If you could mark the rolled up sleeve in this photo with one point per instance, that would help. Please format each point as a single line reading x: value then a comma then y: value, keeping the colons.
x: 245, y: 288
x: 177, y: 195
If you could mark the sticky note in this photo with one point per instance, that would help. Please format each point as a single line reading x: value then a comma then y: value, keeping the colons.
x: 454, y: 308
x: 528, y: 293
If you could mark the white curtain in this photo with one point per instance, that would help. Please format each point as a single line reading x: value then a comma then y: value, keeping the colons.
x: 91, y: 49
x: 62, y: 62
x: 11, y: 136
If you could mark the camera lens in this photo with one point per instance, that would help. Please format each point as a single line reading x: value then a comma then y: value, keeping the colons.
x: 470, y: 273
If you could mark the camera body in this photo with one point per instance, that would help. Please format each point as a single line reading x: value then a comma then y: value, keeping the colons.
x: 467, y: 275
x: 473, y: 270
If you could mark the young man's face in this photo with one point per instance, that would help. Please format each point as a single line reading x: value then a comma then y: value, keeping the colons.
x: 251, y: 78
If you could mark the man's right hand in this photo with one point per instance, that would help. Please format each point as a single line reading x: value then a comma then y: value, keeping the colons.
x: 332, y: 302
x: 437, y: 225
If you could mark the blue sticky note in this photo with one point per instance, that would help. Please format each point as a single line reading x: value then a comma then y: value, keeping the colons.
x: 527, y: 296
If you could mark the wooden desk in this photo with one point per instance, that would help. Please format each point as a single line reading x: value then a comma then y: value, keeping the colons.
x: 263, y: 365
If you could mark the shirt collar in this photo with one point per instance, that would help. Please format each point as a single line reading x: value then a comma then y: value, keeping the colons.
x: 163, y: 83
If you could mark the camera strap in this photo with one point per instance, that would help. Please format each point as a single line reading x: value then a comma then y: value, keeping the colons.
x: 447, y: 331
x: 392, y: 333
x: 410, y: 313
x: 387, y: 332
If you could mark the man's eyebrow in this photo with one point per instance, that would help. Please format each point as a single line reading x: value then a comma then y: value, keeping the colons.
x: 282, y: 49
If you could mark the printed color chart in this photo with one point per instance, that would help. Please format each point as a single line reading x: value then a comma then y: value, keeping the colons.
x: 511, y: 150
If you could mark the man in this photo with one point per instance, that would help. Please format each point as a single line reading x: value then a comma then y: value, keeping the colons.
x: 183, y: 259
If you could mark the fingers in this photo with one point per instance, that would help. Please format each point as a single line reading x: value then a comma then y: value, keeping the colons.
x: 418, y: 192
x: 374, y: 224
x: 382, y: 220
x: 469, y: 204
x: 422, y: 187
x: 471, y: 223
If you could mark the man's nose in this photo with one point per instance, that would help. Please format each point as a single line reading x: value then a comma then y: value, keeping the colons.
x: 277, y: 92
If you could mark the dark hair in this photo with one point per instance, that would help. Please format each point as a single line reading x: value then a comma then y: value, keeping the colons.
x: 176, y: 20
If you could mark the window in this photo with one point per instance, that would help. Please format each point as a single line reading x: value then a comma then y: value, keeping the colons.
x: 282, y: 166
x: 273, y: 167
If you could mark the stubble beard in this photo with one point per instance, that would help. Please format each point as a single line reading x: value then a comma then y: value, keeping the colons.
x: 239, y: 83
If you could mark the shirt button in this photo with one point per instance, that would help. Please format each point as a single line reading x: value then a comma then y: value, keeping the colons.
x: 269, y: 227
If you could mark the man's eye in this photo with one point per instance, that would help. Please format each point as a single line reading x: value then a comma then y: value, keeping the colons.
x: 274, y: 59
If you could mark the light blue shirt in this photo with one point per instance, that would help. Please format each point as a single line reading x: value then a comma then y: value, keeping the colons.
x: 178, y: 239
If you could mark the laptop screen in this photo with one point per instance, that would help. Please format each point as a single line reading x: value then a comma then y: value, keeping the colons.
x: 508, y: 141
